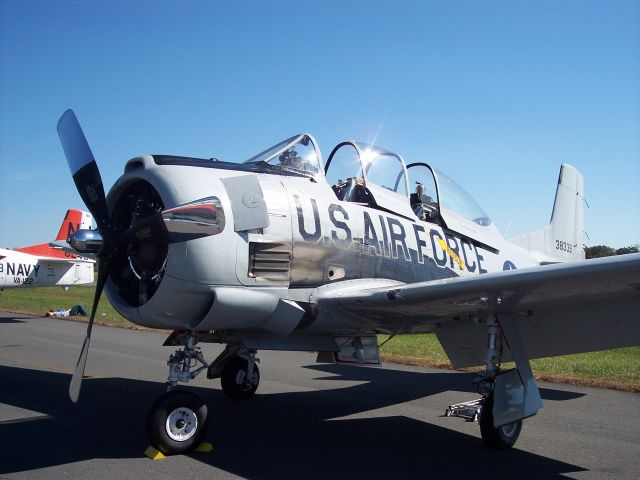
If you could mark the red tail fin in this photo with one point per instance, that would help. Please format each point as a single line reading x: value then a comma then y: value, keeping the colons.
x: 70, y: 224
x: 73, y: 220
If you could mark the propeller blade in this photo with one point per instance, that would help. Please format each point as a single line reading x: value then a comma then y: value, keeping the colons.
x: 189, y: 221
x: 78, y: 373
x: 83, y: 166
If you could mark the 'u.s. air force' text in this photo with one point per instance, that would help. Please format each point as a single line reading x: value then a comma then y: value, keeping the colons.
x: 386, y: 236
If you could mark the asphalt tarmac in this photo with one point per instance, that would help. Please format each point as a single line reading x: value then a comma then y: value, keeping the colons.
x: 307, y: 420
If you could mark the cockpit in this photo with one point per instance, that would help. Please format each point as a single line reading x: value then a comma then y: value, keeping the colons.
x: 370, y: 176
x: 377, y: 178
x: 299, y: 154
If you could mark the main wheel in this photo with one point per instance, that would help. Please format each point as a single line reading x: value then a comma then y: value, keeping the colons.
x: 234, y: 378
x: 501, y: 437
x: 177, y: 421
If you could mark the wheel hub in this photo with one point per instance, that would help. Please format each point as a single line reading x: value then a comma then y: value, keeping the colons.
x: 243, y: 380
x: 509, y: 429
x: 181, y: 424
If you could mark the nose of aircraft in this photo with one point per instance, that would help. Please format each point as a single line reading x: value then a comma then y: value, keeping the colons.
x: 147, y: 234
x: 145, y: 230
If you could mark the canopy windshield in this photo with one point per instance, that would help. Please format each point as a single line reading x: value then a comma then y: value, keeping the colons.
x: 453, y: 197
x: 299, y: 153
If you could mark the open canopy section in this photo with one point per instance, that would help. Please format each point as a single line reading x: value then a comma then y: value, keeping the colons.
x: 462, y: 214
x: 299, y: 153
x: 456, y: 199
x: 439, y: 199
x: 369, y: 175
x: 383, y: 168
x: 370, y: 164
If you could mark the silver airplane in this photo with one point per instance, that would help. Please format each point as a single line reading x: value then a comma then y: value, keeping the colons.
x: 279, y: 253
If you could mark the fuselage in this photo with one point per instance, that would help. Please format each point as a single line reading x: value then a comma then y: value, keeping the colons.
x: 312, y: 240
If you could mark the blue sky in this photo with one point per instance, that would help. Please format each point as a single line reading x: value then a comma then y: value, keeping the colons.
x: 496, y: 94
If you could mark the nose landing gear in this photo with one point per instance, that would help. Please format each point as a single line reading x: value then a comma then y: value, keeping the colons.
x: 177, y: 421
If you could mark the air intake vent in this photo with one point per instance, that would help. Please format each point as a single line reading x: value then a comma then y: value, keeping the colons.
x: 269, y: 261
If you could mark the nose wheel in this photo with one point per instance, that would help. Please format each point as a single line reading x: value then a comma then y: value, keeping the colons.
x: 177, y: 422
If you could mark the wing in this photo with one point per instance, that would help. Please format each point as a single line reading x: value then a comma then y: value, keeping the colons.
x: 70, y: 261
x: 63, y: 246
x: 560, y: 309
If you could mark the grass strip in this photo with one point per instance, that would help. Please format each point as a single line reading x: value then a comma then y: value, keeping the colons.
x: 38, y: 301
x: 617, y: 369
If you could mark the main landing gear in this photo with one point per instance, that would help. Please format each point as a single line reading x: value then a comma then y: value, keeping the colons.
x: 513, y: 392
x: 481, y: 411
x: 177, y: 421
x: 240, y: 377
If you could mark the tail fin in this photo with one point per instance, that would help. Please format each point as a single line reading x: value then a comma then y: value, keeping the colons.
x: 74, y: 220
x: 562, y: 239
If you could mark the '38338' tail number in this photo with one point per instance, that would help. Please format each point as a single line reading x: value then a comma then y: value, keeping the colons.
x: 564, y: 246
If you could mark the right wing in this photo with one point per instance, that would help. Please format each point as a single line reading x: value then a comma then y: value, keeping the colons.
x: 560, y: 309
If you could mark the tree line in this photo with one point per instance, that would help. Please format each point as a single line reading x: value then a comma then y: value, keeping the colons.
x: 605, y: 251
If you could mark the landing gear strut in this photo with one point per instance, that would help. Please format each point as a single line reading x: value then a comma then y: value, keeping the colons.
x: 504, y: 436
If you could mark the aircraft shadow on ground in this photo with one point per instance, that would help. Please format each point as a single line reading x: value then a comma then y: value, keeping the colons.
x: 280, y: 435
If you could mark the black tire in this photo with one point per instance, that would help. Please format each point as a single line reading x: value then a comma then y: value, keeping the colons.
x: 497, y: 437
x: 233, y: 378
x: 176, y: 422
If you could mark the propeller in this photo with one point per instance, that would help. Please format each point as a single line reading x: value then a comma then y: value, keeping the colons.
x: 86, y: 176
x: 189, y: 221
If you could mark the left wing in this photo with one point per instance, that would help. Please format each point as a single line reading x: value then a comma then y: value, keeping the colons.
x: 559, y: 309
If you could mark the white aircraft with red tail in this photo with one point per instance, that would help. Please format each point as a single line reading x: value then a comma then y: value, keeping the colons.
x: 281, y: 253
x: 45, y: 265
